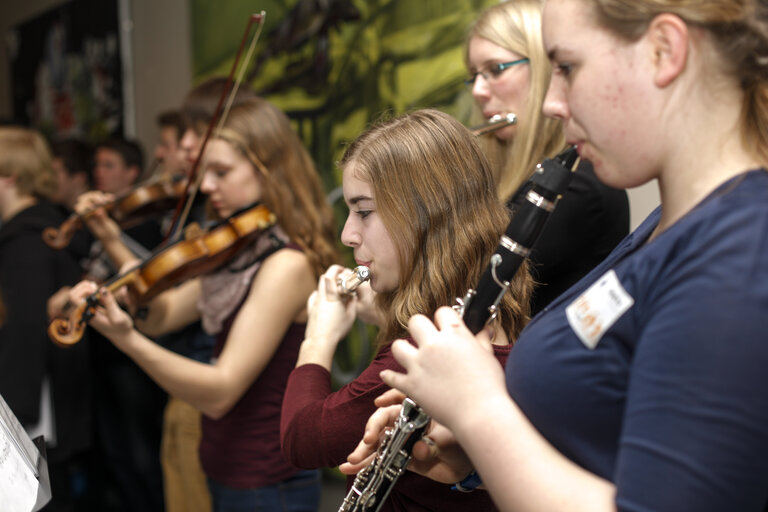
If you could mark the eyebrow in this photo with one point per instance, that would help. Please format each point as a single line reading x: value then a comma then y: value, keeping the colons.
x: 357, y: 199
x: 552, y: 54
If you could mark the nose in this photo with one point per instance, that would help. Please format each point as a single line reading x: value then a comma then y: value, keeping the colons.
x: 481, y: 89
x: 555, y: 104
x: 208, y: 184
x: 188, y: 144
x: 350, y: 236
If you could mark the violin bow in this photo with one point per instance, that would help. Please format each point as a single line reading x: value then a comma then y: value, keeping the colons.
x: 221, y: 112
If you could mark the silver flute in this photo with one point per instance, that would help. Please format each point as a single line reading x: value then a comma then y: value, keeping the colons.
x: 347, y: 285
x: 496, y: 122
x: 477, y: 308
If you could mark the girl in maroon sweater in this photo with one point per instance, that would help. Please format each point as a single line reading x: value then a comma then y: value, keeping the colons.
x: 425, y: 219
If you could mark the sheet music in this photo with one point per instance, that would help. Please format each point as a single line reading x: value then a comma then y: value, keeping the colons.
x: 18, y: 476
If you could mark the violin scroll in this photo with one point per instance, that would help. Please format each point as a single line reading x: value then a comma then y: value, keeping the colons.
x: 60, y: 238
x: 65, y: 332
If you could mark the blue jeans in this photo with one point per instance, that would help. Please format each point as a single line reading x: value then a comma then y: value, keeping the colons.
x: 300, y: 493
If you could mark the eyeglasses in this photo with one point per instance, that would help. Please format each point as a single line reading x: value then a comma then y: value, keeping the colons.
x: 494, y: 71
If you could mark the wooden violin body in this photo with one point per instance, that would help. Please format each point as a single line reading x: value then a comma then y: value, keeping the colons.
x: 172, y: 265
x: 143, y: 202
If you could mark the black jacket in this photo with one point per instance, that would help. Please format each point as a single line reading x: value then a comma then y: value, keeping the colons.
x: 30, y: 272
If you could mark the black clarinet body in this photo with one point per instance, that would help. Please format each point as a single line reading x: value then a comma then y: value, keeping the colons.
x: 548, y: 183
x: 478, y: 307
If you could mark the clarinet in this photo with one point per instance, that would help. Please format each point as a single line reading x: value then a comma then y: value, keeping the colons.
x: 478, y: 307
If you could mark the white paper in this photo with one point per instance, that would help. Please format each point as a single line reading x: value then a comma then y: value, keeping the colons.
x: 18, y: 485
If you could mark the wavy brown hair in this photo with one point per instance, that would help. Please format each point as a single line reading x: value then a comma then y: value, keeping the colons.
x: 291, y: 185
x: 739, y: 30
x: 436, y: 196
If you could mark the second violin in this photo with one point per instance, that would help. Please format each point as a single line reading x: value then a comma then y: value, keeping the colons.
x: 142, y: 202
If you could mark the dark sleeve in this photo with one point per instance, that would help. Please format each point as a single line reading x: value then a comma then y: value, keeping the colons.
x: 148, y: 234
x: 588, y: 222
x: 319, y: 428
x: 28, y: 279
x: 697, y: 406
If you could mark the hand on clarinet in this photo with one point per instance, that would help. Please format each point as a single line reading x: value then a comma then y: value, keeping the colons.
x: 437, y: 455
x: 449, y: 366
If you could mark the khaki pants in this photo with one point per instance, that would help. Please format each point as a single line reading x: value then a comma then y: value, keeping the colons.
x: 184, y: 482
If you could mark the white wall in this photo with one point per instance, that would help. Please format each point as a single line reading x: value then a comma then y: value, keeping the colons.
x: 642, y: 201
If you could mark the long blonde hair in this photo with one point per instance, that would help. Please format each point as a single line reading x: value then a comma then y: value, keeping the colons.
x: 739, y: 30
x: 516, y: 26
x: 435, y: 193
x: 291, y: 185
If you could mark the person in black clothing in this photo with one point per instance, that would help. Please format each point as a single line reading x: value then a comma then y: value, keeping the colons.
x: 46, y: 387
x: 508, y: 73
x: 72, y: 162
x: 128, y: 405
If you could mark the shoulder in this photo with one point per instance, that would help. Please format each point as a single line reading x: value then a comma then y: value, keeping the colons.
x: 287, y: 260
x: 285, y: 272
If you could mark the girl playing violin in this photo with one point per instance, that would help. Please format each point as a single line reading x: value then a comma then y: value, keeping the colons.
x: 254, y: 304
x: 425, y: 219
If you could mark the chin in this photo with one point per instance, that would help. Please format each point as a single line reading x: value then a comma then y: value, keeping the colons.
x: 506, y: 135
x: 380, y: 287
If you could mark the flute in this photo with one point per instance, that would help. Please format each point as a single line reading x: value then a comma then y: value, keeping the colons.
x: 347, y: 285
x: 496, y: 122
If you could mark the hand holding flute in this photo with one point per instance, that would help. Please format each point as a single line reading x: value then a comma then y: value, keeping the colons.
x: 332, y: 309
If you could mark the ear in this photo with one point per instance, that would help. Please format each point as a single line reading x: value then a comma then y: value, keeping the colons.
x: 135, y: 173
x: 668, y: 37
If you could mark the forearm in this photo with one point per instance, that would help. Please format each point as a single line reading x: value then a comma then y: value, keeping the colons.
x: 172, y: 310
x: 316, y: 351
x: 524, y: 472
x: 117, y: 252
x: 301, y: 437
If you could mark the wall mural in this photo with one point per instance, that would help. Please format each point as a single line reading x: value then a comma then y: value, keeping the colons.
x: 66, y: 69
x: 335, y: 65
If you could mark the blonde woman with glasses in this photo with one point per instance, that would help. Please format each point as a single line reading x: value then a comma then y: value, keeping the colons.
x: 508, y: 74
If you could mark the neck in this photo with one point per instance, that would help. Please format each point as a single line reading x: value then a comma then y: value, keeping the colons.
x: 705, y: 158
x: 14, y: 206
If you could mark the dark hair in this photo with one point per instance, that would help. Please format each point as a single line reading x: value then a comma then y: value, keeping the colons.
x: 172, y: 119
x: 76, y: 154
x: 130, y: 150
x: 200, y: 104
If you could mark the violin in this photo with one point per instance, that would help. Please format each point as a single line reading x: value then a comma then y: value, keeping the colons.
x: 174, y: 264
x: 142, y: 202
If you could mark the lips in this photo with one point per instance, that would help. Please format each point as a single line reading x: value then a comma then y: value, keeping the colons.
x: 362, y: 263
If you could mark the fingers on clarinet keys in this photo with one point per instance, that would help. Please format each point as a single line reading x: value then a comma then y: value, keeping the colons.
x: 349, y: 283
